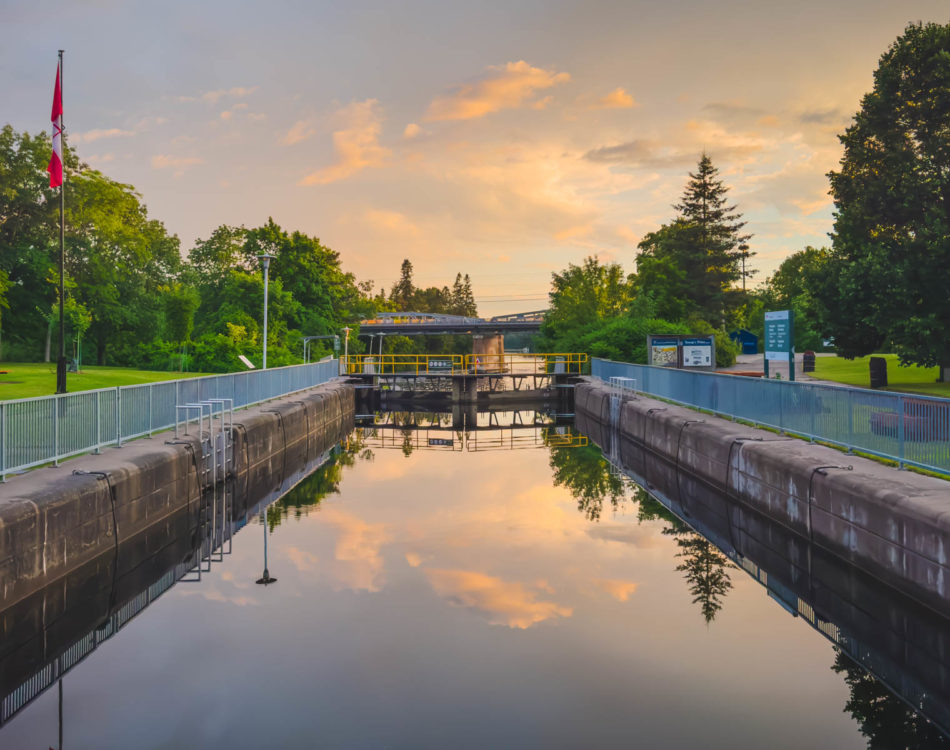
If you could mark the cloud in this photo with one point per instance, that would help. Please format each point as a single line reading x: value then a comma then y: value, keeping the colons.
x: 100, y: 158
x: 618, y: 589
x: 94, y: 135
x: 300, y: 131
x: 357, y: 563
x: 304, y: 561
x: 356, y: 144
x: 411, y: 131
x: 505, y: 87
x: 227, y: 115
x: 827, y: 116
x: 646, y: 153
x: 733, y: 110
x: 177, y: 164
x: 616, y: 99
x: 391, y: 222
x: 498, y: 601
x: 238, y: 92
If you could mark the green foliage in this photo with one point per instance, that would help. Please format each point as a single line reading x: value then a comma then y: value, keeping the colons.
x: 889, y: 270
x: 585, y: 472
x: 689, y: 266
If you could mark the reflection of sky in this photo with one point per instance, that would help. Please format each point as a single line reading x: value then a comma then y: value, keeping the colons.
x: 463, y: 602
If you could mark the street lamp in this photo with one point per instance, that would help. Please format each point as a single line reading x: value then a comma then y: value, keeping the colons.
x: 346, y: 349
x: 265, y: 259
x: 265, y: 579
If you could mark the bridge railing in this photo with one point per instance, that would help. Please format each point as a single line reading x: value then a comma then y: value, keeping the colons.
x: 516, y: 363
x: 47, y: 429
x: 404, y: 364
x: 905, y: 428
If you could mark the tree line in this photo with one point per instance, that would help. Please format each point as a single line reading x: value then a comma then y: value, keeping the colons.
x: 881, y: 286
x: 133, y: 298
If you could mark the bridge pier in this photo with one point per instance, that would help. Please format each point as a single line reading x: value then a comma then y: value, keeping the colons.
x: 489, y: 349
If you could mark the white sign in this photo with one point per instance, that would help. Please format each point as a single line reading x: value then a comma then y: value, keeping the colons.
x: 247, y: 363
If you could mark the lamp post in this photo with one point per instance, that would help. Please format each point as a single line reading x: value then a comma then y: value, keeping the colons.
x: 346, y: 349
x: 265, y: 259
x: 265, y: 579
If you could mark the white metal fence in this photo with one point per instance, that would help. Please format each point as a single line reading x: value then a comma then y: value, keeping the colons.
x: 47, y: 429
x: 903, y: 427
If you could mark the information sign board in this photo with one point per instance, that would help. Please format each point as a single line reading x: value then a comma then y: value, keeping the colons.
x: 778, y: 335
x: 697, y: 353
x: 663, y: 352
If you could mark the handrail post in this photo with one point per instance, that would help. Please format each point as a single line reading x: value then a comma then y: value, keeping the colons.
x: 56, y: 430
x: 3, y: 443
x: 150, y: 410
x: 98, y: 449
x: 901, y: 418
x: 118, y: 417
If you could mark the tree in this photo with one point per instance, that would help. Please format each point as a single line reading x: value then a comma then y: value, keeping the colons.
x: 889, y: 271
x: 585, y: 472
x: 582, y: 297
x: 791, y: 288
x: 403, y: 290
x: 882, y: 717
x: 702, y: 249
x: 705, y: 570
x: 181, y: 303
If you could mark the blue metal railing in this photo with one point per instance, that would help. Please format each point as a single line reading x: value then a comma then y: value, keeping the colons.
x: 903, y: 427
x: 35, y: 431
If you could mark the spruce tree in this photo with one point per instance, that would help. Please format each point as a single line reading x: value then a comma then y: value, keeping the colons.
x: 713, y: 251
x: 403, y: 290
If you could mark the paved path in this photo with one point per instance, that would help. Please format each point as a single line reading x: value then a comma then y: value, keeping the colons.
x: 756, y: 363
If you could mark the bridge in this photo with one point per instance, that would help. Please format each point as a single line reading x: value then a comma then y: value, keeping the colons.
x: 434, y: 324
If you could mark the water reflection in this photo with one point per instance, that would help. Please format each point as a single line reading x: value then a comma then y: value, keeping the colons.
x: 455, y: 598
x: 891, y: 650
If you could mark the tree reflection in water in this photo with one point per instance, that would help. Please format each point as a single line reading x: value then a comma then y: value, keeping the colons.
x: 884, y: 718
x: 586, y: 473
x: 322, y: 483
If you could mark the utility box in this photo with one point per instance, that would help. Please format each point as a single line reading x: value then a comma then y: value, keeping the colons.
x: 808, y: 361
x: 878, y: 367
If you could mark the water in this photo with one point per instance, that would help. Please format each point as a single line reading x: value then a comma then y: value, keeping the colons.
x: 435, y: 592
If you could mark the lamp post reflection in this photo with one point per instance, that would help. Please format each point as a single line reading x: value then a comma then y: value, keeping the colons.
x: 266, y: 577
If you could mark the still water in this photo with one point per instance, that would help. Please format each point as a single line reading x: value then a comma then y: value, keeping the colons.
x: 507, y: 589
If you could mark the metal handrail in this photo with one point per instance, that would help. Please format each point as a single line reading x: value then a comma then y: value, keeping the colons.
x: 902, y: 427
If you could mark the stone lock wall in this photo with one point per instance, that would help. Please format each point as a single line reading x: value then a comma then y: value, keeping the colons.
x: 893, y: 524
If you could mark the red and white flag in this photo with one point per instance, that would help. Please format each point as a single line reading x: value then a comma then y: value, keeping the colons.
x: 55, y: 167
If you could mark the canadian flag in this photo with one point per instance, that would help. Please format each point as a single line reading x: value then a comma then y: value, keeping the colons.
x: 55, y: 167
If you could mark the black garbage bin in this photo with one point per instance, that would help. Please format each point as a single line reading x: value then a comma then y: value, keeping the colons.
x: 808, y: 361
x: 878, y: 372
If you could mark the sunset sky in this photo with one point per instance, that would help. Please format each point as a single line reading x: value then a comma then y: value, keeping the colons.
x: 502, y: 139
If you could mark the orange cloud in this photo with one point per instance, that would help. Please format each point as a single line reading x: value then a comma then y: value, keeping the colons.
x: 94, y: 135
x: 356, y: 144
x: 498, y: 601
x: 505, y: 87
x: 357, y: 562
x: 619, y: 590
x: 391, y: 222
x: 616, y: 99
x: 411, y: 131
x: 301, y: 131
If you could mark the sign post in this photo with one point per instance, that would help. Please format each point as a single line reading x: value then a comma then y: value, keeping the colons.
x: 779, y: 339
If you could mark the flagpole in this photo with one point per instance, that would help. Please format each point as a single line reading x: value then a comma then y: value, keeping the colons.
x: 61, y: 362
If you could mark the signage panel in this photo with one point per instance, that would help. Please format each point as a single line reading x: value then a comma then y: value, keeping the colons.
x: 697, y: 353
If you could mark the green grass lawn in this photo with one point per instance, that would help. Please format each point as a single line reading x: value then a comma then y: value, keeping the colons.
x: 27, y: 379
x: 857, y: 372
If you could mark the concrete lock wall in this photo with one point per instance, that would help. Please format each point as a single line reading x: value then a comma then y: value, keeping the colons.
x: 893, y: 524
x: 53, y: 520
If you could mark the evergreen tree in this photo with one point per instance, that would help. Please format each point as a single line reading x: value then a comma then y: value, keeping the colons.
x: 403, y: 290
x: 709, y: 252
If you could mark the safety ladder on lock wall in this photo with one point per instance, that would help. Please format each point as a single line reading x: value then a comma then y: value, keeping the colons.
x: 215, y: 514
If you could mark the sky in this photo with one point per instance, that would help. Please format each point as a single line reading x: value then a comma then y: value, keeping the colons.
x: 500, y: 139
